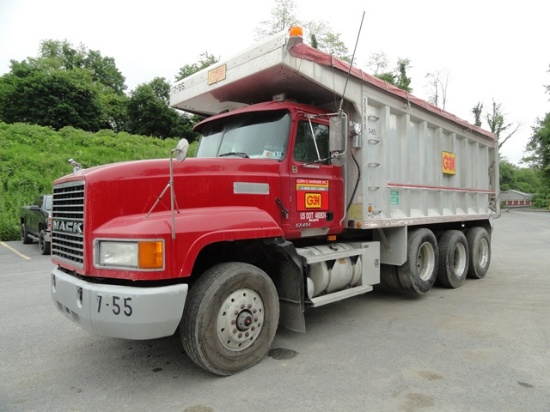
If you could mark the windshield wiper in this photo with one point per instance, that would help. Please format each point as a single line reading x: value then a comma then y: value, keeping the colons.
x: 241, y: 154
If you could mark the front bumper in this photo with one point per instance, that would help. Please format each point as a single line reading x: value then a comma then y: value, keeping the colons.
x: 119, y: 311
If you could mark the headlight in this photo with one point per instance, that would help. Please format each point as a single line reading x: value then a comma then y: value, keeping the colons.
x: 131, y: 254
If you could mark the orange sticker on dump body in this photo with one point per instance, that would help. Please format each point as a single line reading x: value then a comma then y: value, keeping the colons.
x: 448, y: 163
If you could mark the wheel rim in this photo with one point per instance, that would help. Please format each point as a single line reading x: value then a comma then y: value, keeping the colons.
x: 460, y: 260
x: 240, y: 319
x: 425, y: 261
x: 483, y: 252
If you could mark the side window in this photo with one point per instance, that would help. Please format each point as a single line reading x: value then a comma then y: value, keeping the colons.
x: 311, y: 142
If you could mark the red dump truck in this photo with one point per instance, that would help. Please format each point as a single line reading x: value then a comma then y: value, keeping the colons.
x: 312, y: 183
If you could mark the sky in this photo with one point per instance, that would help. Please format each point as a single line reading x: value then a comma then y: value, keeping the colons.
x: 490, y: 50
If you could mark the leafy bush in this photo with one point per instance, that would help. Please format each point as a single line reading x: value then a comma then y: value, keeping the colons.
x: 32, y: 157
x: 541, y: 200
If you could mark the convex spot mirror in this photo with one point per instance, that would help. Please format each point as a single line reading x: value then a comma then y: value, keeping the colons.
x: 181, y: 150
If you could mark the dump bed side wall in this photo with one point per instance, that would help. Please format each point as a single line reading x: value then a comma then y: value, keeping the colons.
x: 417, y: 167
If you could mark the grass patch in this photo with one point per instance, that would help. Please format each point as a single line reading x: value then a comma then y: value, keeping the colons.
x: 32, y: 157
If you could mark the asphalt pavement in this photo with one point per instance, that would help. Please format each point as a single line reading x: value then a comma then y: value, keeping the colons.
x: 482, y: 347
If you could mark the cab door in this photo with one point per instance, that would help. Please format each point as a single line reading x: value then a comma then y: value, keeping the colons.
x: 316, y: 186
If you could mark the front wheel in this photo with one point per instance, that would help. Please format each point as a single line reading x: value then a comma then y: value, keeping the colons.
x: 43, y: 246
x: 230, y: 318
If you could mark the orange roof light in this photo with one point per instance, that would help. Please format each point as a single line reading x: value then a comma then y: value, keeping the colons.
x: 296, y: 31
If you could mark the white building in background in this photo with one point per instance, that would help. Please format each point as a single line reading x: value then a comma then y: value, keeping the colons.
x: 515, y: 198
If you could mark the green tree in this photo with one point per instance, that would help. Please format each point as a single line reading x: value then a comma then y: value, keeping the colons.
x: 108, y: 80
x: 497, y: 124
x: 114, y: 110
x: 150, y: 115
x: 322, y: 38
x: 57, y: 98
x: 477, y: 110
x: 538, y: 148
x: 403, y: 80
x: 529, y: 180
x: 496, y: 121
x: 378, y: 62
x: 64, y: 86
x: 508, y: 175
x: 63, y: 55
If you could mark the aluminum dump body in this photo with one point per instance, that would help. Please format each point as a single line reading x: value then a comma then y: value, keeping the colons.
x: 411, y: 163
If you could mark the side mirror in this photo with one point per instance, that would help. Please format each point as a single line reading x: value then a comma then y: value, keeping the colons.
x: 337, y: 138
x: 337, y: 134
x: 181, y: 150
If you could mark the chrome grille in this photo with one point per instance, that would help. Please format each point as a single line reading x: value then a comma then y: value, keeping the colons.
x: 68, y: 222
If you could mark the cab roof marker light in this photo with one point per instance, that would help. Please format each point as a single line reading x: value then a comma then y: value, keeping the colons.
x: 296, y: 31
x: 295, y: 36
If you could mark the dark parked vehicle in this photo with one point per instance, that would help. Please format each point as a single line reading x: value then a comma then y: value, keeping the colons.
x: 36, y: 223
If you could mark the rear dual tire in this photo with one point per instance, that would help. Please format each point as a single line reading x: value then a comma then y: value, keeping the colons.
x: 479, y: 248
x: 419, y: 272
x: 453, y: 259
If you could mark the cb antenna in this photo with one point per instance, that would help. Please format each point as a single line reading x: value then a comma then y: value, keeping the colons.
x: 351, y: 64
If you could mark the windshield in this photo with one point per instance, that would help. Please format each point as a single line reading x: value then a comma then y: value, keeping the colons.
x: 259, y: 135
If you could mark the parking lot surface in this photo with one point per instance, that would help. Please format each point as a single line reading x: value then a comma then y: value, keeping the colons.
x: 482, y: 347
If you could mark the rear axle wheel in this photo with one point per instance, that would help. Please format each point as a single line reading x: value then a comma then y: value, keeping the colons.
x: 453, y: 259
x: 479, y: 245
x: 419, y: 272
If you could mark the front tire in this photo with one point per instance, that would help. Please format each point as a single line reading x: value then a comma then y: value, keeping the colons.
x: 419, y: 272
x: 230, y: 318
x: 43, y: 246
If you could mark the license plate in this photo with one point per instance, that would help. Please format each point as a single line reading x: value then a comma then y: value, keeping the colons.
x: 117, y: 305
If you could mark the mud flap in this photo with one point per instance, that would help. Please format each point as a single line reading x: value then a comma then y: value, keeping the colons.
x: 289, y: 280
